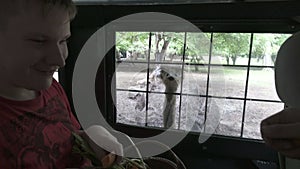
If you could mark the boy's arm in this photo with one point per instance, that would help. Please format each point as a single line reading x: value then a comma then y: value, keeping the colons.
x: 106, y: 147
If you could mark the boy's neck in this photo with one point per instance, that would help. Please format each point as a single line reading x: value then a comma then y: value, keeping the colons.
x: 17, y: 94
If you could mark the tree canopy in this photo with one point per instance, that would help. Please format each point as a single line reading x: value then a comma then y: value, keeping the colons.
x: 167, y: 46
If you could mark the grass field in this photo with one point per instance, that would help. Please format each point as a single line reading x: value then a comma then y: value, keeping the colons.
x: 224, y: 82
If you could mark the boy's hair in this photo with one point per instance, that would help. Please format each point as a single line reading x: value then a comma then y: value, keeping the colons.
x: 10, y: 8
x: 67, y: 4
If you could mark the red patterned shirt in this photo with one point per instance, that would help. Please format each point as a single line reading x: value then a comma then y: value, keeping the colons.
x: 36, y: 134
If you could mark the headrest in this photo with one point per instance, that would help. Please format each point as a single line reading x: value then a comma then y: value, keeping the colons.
x: 287, y: 71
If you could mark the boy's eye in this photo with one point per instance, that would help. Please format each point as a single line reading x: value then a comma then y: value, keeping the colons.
x: 64, y: 41
x: 38, y: 41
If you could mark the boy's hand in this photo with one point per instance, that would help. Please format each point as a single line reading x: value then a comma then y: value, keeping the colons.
x: 105, y: 145
x: 282, y: 132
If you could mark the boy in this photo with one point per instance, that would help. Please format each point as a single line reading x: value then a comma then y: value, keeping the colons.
x: 36, y: 119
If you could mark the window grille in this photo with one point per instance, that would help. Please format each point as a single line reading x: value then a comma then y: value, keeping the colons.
x: 247, y: 70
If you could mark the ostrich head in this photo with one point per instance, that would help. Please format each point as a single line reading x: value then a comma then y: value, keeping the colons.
x: 170, y: 80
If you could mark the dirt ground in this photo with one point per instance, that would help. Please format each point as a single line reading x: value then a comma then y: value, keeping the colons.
x: 225, y: 115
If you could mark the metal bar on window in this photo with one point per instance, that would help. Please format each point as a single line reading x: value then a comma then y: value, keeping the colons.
x: 181, y: 86
x: 208, y: 76
x: 246, y: 85
x: 197, y: 64
x: 209, y: 96
x: 151, y: 62
x: 147, y: 86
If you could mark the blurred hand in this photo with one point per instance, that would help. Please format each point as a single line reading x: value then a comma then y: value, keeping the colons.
x: 104, y: 144
x: 282, y: 132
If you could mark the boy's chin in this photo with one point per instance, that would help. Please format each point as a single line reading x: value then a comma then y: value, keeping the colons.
x: 42, y: 85
x: 47, y: 83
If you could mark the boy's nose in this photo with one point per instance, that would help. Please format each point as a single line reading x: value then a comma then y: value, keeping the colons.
x: 56, y: 57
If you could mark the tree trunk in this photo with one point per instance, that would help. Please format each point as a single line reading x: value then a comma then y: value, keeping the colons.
x: 233, y: 58
x: 268, y: 55
x: 161, y: 53
x: 227, y: 60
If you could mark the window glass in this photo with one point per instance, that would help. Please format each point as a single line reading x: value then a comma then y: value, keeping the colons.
x: 255, y: 112
x: 128, y: 108
x: 232, y: 48
x: 132, y: 46
x: 231, y: 118
x: 55, y: 76
x: 227, y: 78
x: 261, y: 84
x: 197, y: 48
x: 195, y: 80
x: 192, y: 113
x: 232, y: 79
x: 167, y: 47
x: 131, y: 76
x: 265, y: 48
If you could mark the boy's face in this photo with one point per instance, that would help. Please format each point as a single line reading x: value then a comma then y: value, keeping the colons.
x: 33, y: 46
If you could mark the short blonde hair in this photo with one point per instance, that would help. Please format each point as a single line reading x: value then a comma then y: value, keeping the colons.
x: 68, y: 5
x: 10, y: 8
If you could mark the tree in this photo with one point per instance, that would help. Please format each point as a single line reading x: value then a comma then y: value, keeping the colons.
x: 197, y: 48
x: 266, y: 46
x: 162, y: 41
x: 132, y: 43
x: 278, y: 41
x: 231, y: 45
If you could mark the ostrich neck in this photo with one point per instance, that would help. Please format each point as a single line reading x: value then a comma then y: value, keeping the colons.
x: 170, y: 93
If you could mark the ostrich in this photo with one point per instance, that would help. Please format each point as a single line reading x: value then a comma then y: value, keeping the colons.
x: 171, y: 86
x: 140, y: 102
